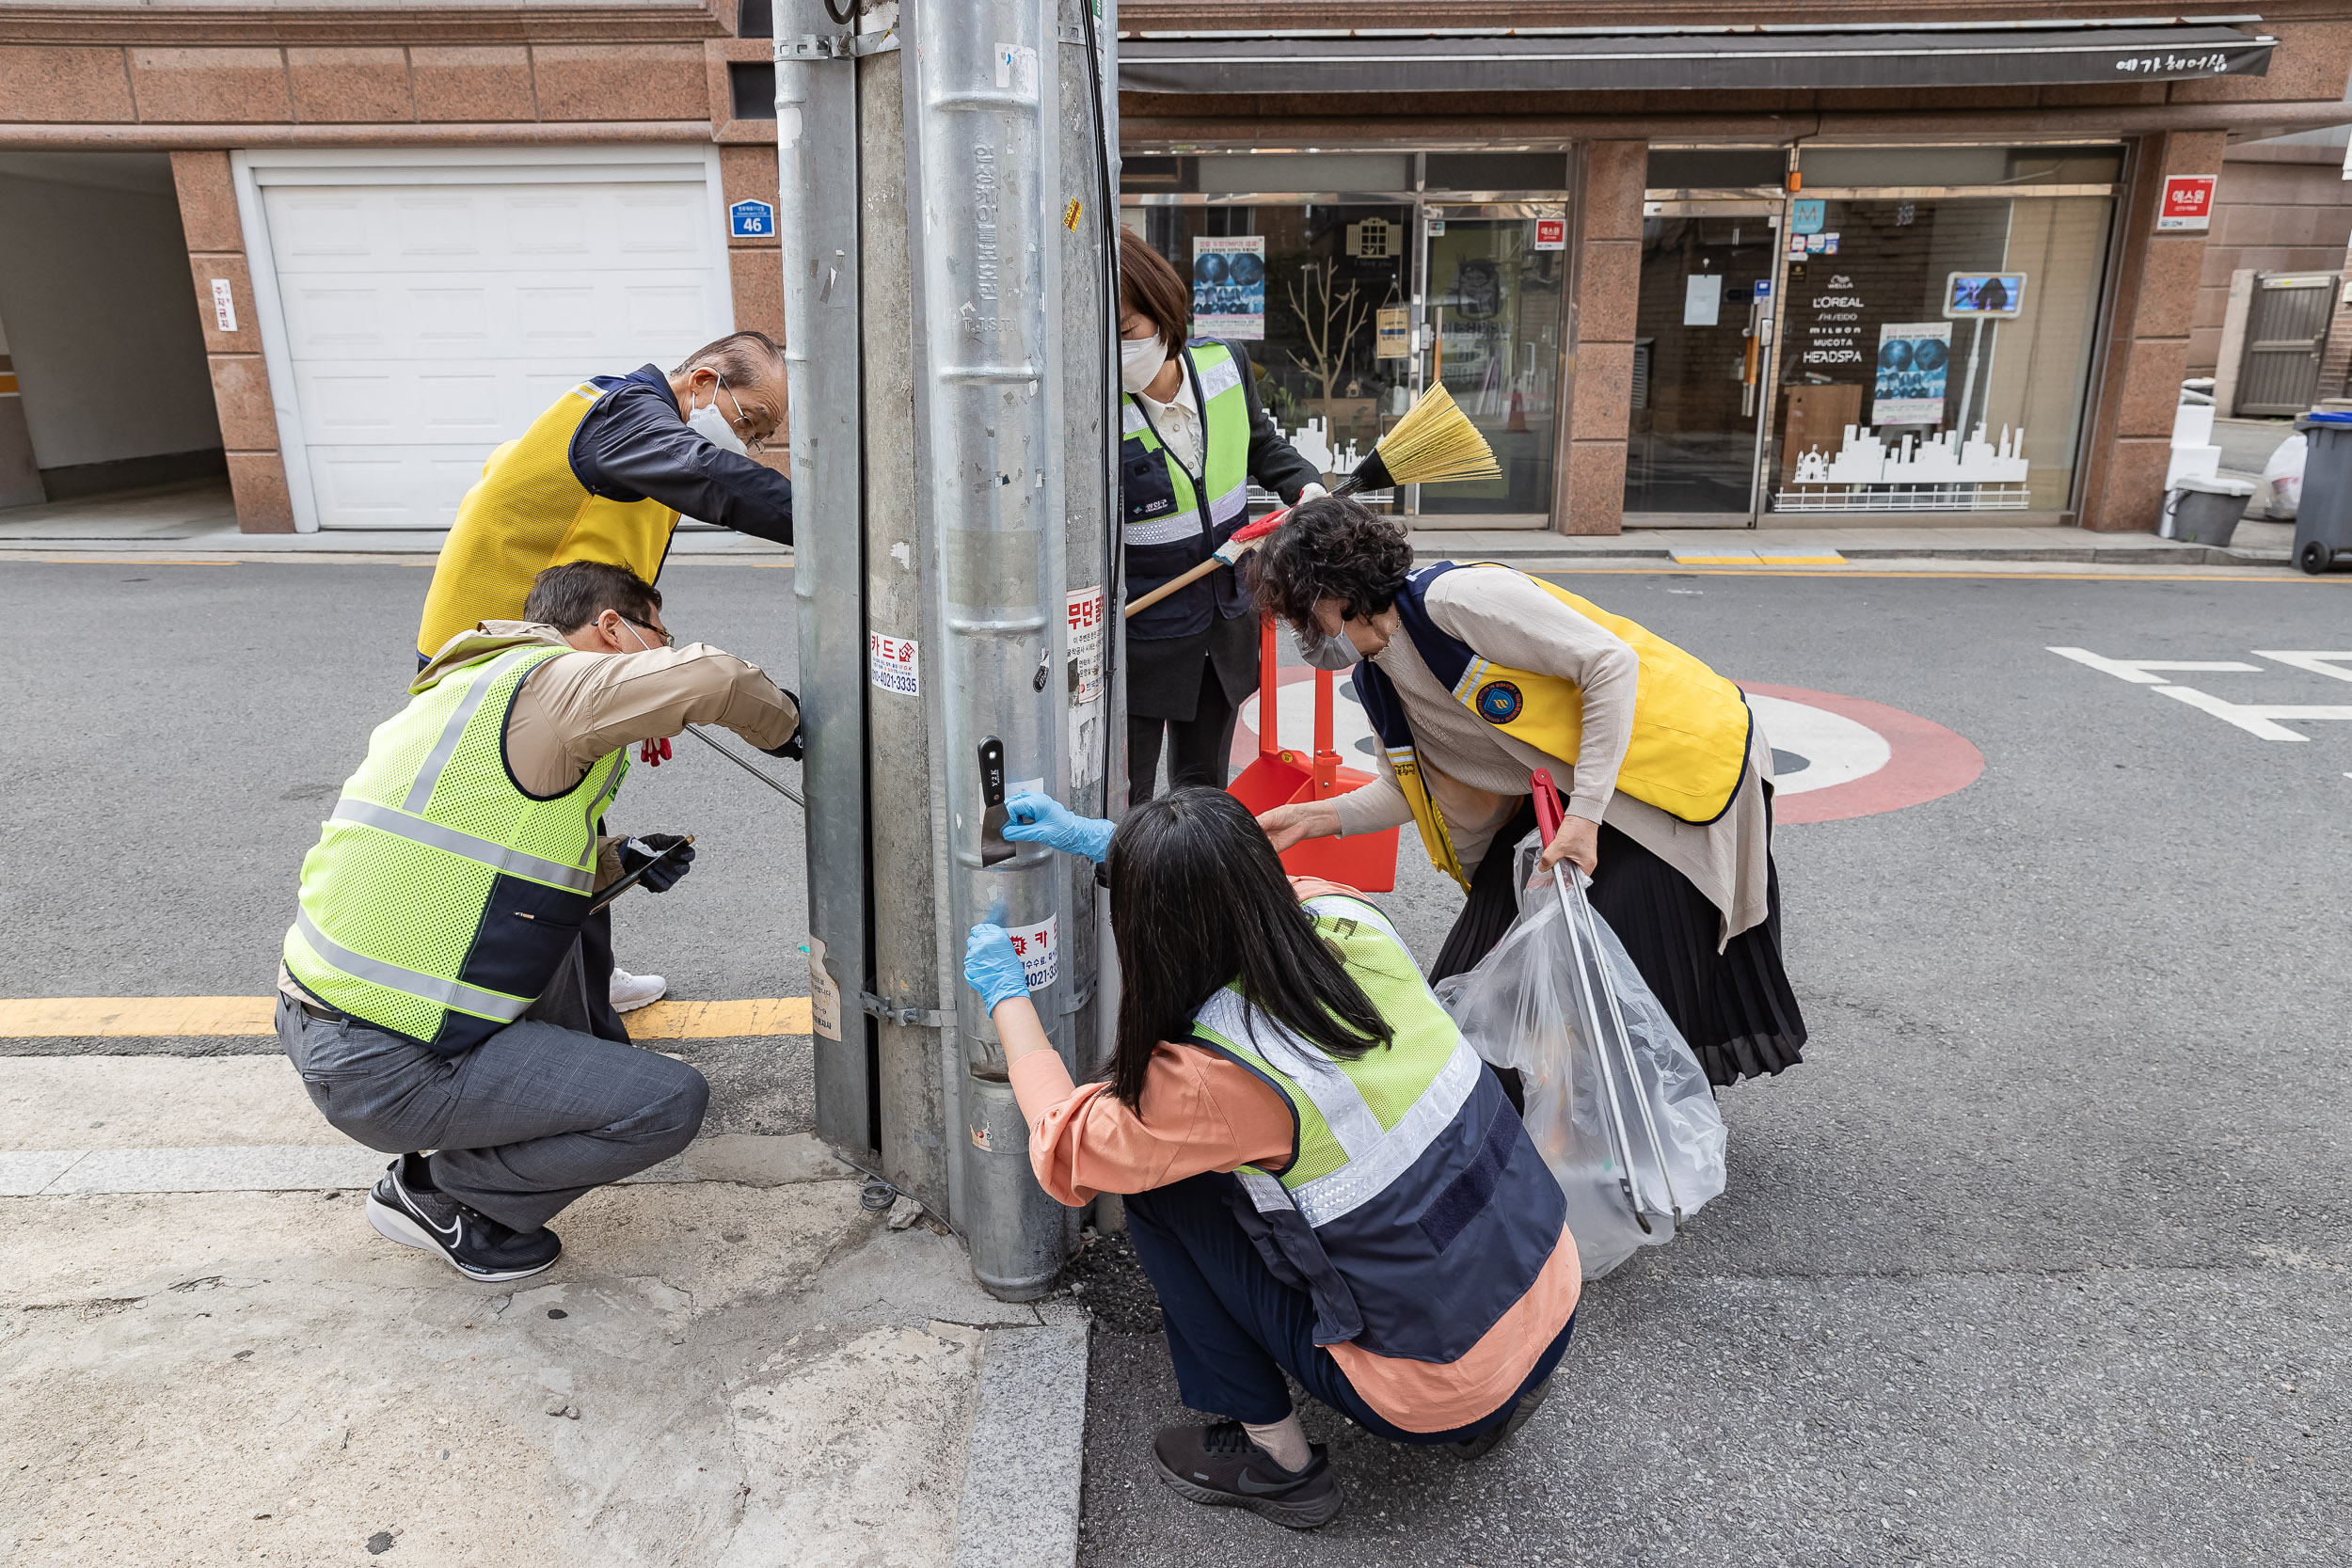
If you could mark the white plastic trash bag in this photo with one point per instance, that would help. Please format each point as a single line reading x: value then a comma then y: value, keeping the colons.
x: 2281, y: 489
x: 1522, y: 1007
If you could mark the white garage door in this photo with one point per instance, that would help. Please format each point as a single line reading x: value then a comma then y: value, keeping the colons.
x: 428, y: 314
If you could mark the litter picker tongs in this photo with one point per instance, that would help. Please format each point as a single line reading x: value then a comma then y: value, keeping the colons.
x: 1591, y: 973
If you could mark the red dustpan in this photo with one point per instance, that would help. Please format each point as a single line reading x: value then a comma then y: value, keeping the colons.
x: 1281, y: 778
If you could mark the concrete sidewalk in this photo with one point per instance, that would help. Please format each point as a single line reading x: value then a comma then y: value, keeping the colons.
x: 207, y: 1355
x: 197, y: 522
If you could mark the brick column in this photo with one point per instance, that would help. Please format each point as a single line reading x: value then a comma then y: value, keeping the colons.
x: 1589, y: 492
x: 248, y: 417
x: 2155, y: 304
x: 756, y: 266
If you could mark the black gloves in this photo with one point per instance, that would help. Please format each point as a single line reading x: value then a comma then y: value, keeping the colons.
x: 791, y: 750
x: 643, y: 848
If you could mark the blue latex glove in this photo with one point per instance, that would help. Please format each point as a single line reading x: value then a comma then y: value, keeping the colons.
x: 991, y: 968
x: 1030, y: 818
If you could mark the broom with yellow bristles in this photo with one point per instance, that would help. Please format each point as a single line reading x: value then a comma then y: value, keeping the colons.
x: 1433, y: 443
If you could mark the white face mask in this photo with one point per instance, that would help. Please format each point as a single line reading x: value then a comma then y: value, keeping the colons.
x: 1139, y: 361
x: 712, y: 426
x: 1328, y: 653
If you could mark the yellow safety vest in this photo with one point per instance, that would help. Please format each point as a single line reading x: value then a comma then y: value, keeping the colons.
x: 1689, y: 749
x: 530, y: 512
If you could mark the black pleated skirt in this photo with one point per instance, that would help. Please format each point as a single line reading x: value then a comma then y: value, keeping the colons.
x: 1734, y: 1007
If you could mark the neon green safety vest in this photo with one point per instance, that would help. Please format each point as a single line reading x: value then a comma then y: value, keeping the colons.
x: 1165, y: 531
x: 1414, y: 1209
x: 440, y: 899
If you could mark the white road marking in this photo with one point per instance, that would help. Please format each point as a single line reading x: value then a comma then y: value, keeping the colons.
x: 2135, y: 669
x: 2254, y: 719
x: 1837, y: 750
x: 2317, y: 663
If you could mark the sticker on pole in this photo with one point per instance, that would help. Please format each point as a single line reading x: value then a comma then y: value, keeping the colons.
x: 1040, y: 953
x: 824, y: 996
x: 892, y: 664
x: 1088, y: 621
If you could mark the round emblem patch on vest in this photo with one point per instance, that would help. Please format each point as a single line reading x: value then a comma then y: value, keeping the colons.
x: 1498, y: 701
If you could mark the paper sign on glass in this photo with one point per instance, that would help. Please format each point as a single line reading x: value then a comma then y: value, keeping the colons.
x: 1702, y: 299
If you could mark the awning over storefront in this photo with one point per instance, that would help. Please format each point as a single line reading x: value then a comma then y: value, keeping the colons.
x: 1628, y: 60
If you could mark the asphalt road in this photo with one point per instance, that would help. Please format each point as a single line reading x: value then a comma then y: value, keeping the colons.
x: 2041, y: 1256
x: 181, y: 730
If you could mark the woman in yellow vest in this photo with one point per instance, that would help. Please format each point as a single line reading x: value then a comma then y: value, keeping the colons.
x: 1474, y: 676
x: 1195, y: 438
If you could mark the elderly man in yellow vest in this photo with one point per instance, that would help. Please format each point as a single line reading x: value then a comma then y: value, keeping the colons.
x: 436, y: 960
x: 604, y: 475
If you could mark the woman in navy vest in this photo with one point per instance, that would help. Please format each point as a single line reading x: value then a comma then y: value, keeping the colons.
x: 1192, y: 423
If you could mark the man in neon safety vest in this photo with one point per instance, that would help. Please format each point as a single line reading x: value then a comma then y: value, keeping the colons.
x: 436, y: 993
x: 604, y: 475
x: 1476, y: 676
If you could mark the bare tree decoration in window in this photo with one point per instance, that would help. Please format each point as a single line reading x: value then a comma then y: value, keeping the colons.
x: 1330, y: 328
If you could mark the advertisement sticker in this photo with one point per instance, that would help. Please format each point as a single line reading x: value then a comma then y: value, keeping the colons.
x: 1229, y: 285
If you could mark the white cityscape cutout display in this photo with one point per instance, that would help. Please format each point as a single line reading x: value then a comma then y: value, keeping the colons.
x: 1313, y: 441
x: 1930, y: 473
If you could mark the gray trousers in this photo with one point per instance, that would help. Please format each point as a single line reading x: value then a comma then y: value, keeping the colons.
x: 520, y: 1126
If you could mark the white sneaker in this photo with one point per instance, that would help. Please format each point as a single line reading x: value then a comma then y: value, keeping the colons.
x: 632, y: 991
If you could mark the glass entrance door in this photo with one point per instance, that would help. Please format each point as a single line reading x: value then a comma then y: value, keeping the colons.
x: 1494, y: 274
x: 1699, y: 361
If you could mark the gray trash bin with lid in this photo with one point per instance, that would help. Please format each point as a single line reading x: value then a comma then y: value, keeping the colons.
x: 2206, y: 510
x: 2323, y: 525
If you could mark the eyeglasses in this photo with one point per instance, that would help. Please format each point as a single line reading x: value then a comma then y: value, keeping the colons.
x: 669, y: 640
x: 753, y: 445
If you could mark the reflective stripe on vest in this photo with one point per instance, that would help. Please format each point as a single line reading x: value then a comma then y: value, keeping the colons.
x: 1376, y: 1156
x: 528, y: 511
x: 1413, y: 1239
x: 440, y: 899
x: 1224, y: 455
x: 448, y: 993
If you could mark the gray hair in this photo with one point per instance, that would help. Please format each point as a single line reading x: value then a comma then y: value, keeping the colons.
x: 744, y: 358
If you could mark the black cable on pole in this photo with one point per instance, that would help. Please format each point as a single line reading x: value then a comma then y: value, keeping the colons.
x: 1106, y: 203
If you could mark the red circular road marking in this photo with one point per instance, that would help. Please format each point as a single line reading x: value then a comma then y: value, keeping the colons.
x: 1927, y: 761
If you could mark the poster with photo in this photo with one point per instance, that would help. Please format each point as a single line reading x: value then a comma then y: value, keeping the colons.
x: 1913, y: 359
x: 1229, y: 285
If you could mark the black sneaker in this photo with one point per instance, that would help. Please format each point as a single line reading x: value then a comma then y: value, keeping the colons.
x: 1504, y: 1431
x: 1219, y: 1465
x: 406, y: 1208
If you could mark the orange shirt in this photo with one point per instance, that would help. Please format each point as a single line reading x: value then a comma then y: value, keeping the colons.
x: 1202, y: 1112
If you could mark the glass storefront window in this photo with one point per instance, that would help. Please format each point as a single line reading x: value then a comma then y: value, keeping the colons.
x: 1690, y: 436
x: 1313, y: 333
x: 1495, y: 295
x: 1935, y: 352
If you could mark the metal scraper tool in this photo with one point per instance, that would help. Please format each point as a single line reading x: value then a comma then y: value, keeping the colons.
x: 995, y: 848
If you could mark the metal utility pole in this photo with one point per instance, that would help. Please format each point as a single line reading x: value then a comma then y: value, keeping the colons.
x: 948, y: 227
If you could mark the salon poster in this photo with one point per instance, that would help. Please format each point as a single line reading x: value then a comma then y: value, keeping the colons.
x: 1913, y: 359
x: 1229, y: 285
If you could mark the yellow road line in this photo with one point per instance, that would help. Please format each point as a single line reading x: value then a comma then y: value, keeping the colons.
x: 130, y: 560
x: 114, y: 1017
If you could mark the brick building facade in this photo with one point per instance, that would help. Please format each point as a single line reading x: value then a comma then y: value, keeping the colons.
x: 400, y: 227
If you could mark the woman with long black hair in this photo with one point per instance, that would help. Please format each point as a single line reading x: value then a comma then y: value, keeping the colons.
x: 1323, y: 1179
x: 1474, y: 676
x: 1195, y: 436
